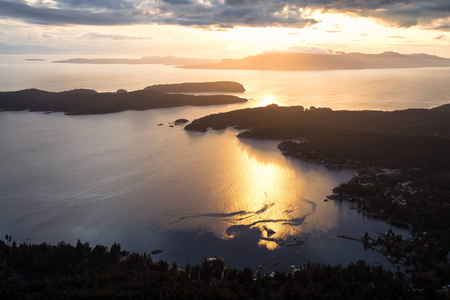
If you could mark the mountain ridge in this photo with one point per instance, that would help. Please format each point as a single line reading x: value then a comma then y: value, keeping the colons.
x: 316, y: 62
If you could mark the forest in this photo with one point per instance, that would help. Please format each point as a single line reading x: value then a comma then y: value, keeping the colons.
x: 395, y: 139
x: 87, y: 102
x: 32, y: 271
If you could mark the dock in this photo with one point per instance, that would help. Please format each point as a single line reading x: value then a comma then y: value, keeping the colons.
x: 349, y: 237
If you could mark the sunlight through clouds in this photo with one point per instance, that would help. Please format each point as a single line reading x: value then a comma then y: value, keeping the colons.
x: 226, y: 28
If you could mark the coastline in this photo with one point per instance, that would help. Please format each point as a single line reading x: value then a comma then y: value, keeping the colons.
x: 391, y: 188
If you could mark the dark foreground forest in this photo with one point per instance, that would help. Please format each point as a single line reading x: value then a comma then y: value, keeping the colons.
x: 82, y: 272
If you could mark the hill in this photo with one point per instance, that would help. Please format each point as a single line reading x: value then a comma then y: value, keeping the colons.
x: 84, y: 272
x: 199, y: 87
x: 309, y: 62
x: 406, y: 138
x: 86, y: 102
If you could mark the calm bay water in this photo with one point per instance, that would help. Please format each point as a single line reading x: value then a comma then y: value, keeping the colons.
x: 121, y: 178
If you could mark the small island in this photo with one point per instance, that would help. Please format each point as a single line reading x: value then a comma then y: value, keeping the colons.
x: 87, y: 102
x: 199, y: 87
x: 180, y: 121
x: 403, y: 163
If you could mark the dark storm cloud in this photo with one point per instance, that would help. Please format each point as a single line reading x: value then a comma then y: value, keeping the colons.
x: 289, y: 13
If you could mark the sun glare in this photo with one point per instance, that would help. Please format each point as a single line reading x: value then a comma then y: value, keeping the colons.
x: 269, y: 99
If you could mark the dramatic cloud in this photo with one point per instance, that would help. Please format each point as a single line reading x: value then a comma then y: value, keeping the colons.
x: 290, y: 13
x: 440, y: 37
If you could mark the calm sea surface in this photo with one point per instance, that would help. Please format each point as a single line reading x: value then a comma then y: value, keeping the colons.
x: 121, y: 178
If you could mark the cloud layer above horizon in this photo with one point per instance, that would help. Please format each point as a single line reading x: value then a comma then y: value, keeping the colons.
x: 431, y: 14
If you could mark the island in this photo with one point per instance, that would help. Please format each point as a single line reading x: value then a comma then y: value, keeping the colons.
x: 86, y: 102
x: 403, y: 164
x: 152, y: 60
x: 338, y: 61
x: 180, y: 121
x: 199, y: 87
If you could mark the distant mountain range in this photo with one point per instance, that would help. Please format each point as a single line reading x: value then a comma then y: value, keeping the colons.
x: 305, y: 61
x: 166, y: 60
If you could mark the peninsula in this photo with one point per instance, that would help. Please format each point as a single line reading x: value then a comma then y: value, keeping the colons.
x: 341, y: 61
x: 86, y: 102
x: 405, y: 138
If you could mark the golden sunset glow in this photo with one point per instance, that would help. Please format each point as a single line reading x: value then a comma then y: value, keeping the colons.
x: 225, y: 149
x: 268, y: 100
x: 330, y: 31
x: 257, y: 192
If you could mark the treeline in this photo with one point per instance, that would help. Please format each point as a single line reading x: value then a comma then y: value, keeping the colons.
x: 85, y: 102
x: 199, y: 87
x: 75, y: 272
x: 398, y: 139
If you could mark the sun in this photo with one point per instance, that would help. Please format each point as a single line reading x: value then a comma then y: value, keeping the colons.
x: 269, y: 99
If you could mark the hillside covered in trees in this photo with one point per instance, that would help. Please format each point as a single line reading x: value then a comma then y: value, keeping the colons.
x: 86, y: 102
x: 80, y: 272
x: 396, y: 139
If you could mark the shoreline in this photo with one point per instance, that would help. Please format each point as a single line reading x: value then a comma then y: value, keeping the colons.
x: 398, y: 181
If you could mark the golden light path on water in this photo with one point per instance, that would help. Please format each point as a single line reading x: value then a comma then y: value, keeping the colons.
x: 258, y: 188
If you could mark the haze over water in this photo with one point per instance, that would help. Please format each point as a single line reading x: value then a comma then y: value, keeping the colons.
x: 121, y: 178
x: 386, y: 89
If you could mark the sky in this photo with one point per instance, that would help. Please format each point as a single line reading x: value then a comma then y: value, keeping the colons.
x: 223, y: 28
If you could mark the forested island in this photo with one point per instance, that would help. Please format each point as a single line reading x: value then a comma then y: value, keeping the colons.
x: 85, y: 102
x: 199, y: 87
x: 403, y: 164
x: 337, y: 61
x: 64, y: 271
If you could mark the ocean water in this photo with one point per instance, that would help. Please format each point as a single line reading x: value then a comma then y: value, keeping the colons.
x: 122, y: 178
x: 388, y: 89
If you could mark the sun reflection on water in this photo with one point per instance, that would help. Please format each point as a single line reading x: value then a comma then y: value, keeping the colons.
x: 252, y: 187
x: 271, y: 199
